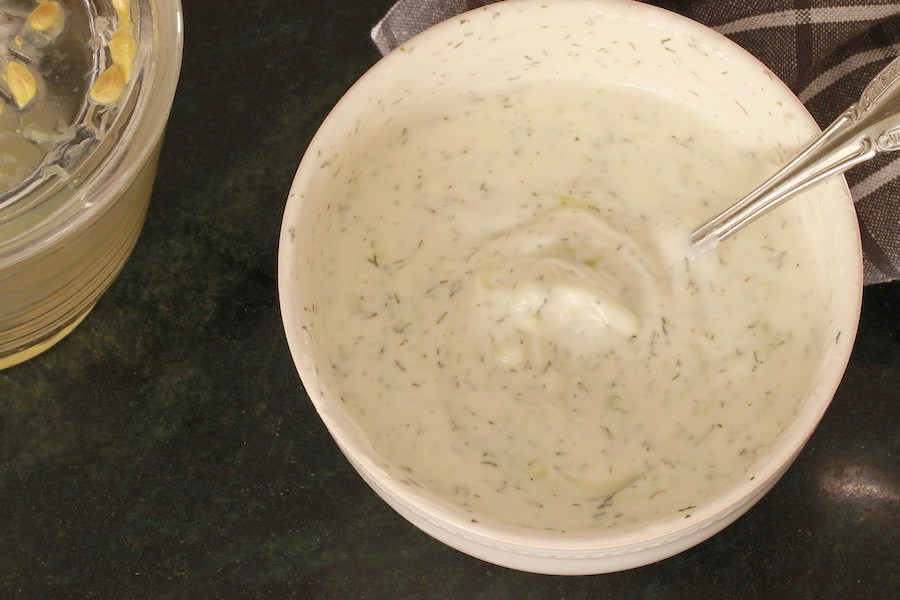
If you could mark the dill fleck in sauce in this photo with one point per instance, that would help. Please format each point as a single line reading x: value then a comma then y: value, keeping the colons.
x: 511, y: 318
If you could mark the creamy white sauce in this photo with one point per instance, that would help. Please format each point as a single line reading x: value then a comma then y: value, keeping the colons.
x: 511, y: 317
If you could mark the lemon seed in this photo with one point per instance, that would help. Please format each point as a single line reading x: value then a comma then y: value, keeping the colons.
x: 21, y: 83
x: 123, y: 9
x: 108, y: 86
x: 44, y: 16
x: 121, y: 48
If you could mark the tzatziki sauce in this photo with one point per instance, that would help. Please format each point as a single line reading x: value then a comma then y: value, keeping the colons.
x: 513, y: 318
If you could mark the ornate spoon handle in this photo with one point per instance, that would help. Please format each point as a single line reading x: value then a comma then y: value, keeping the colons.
x: 866, y: 129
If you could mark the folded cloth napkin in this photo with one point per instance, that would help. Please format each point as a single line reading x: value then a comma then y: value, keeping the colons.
x: 826, y: 51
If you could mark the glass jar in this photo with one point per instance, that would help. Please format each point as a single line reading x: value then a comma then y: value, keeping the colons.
x: 78, y: 159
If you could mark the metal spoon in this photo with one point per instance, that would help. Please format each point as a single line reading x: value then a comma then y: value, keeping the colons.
x: 866, y: 129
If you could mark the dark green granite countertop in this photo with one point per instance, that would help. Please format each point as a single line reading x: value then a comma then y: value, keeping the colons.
x: 166, y: 449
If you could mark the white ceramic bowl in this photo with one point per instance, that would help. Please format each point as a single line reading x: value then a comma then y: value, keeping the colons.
x: 678, y: 59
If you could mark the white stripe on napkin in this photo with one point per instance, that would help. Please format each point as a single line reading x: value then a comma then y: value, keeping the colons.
x: 830, y: 14
x: 874, y: 181
x: 852, y: 63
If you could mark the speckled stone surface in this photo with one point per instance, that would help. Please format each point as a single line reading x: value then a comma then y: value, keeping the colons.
x: 166, y: 449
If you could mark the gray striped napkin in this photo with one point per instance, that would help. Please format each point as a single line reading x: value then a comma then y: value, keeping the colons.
x: 826, y: 51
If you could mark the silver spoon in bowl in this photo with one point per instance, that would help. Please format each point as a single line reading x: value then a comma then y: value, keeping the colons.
x: 866, y: 129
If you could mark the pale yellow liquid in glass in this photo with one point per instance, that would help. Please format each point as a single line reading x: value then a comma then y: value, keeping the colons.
x: 46, y: 292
